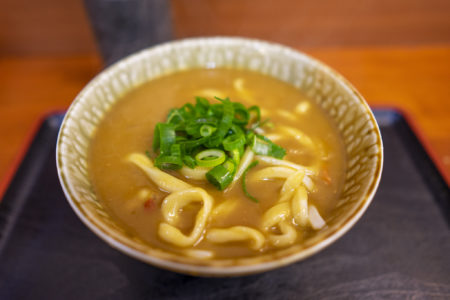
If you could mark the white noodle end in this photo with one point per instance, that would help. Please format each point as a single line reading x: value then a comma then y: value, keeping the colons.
x: 286, y: 163
x: 303, y: 107
x: 210, y: 93
x: 200, y: 254
x: 286, y: 114
x: 315, y: 219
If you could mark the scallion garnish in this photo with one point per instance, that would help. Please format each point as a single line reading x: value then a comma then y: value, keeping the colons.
x: 210, y: 158
x: 207, y: 130
x: 189, y: 161
x: 211, y: 135
x: 221, y: 176
x: 169, y: 162
x: 263, y: 146
x: 164, y: 137
x: 244, y: 185
x: 254, y: 110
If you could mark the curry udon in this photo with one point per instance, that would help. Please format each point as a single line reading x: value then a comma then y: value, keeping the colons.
x: 180, y: 211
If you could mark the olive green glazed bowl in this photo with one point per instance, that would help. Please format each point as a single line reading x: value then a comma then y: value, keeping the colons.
x: 334, y: 94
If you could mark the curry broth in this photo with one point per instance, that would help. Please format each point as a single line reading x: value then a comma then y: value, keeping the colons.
x: 128, y: 128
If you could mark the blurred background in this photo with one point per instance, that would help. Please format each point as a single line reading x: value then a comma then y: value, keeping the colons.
x: 396, y: 52
x: 52, y: 27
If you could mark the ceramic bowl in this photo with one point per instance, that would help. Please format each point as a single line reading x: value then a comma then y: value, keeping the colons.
x: 327, y: 88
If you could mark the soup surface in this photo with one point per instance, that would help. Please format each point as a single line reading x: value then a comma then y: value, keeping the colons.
x: 296, y: 123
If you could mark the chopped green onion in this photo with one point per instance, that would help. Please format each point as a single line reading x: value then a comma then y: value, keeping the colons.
x: 180, y: 138
x: 201, y: 106
x: 172, y: 161
x: 168, y: 162
x: 211, y: 135
x: 188, y: 110
x: 189, y: 161
x: 236, y: 155
x: 175, y: 117
x: 210, y: 158
x: 207, y: 130
x: 217, y: 110
x: 193, y: 127
x: 234, y: 141
x: 263, y: 146
x: 255, y: 109
x: 175, y: 150
x: 241, y: 114
x: 260, y: 146
x: 266, y: 123
x: 147, y: 153
x: 189, y: 146
x: 222, y: 175
x: 224, y: 124
x: 276, y: 151
x: 249, y: 136
x: 244, y: 185
x: 164, y: 137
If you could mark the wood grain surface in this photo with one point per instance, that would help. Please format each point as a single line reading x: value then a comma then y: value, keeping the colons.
x: 318, y: 23
x: 45, y: 27
x: 54, y: 27
x: 415, y: 79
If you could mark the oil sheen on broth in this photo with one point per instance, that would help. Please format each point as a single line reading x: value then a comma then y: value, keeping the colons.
x: 135, y: 200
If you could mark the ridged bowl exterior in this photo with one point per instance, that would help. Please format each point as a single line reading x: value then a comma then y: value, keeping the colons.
x: 320, y: 83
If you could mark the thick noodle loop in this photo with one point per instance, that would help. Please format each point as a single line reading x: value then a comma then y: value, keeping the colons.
x: 278, y: 223
x: 225, y: 208
x: 290, y: 185
x: 285, y: 163
x: 163, y: 180
x: 236, y: 234
x: 278, y: 216
x: 287, y: 237
x: 292, y: 207
x: 303, y: 139
x: 274, y: 215
x: 299, y: 206
x: 285, y: 172
x: 171, y: 207
x: 272, y: 172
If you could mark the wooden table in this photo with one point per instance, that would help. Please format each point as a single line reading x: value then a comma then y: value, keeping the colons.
x: 414, y: 79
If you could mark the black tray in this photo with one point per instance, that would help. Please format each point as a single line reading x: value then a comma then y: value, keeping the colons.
x: 399, y: 249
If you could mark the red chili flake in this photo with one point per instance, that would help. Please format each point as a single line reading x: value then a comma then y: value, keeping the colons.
x: 326, y: 176
x: 149, y: 204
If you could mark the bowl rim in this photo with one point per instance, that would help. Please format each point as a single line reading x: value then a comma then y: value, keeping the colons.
x: 235, y: 270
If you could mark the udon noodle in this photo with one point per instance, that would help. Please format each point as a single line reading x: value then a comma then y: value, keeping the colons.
x: 179, y: 210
